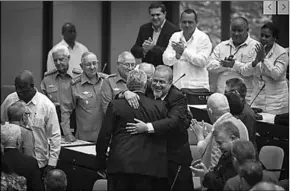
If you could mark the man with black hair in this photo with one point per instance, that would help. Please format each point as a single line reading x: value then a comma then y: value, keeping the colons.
x: 229, y: 56
x: 247, y: 115
x: 76, y: 49
x: 188, y: 52
x: 153, y: 37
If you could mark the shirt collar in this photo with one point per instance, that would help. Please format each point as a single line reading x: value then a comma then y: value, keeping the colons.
x: 69, y: 73
x: 222, y: 117
x: 160, y: 28
x: 119, y: 78
x: 271, y: 52
x: 85, y: 79
x: 62, y: 42
x: 230, y: 42
x: 192, y: 36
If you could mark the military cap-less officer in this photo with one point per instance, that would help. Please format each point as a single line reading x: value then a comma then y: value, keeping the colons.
x: 116, y: 83
x: 86, y: 94
x: 56, y: 85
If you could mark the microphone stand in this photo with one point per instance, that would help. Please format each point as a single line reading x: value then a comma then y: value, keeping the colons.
x: 179, y: 78
x: 258, y: 93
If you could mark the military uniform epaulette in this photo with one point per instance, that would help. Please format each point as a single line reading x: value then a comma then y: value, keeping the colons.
x: 53, y: 71
x: 76, y: 79
x: 103, y: 75
x: 77, y: 71
x: 111, y: 75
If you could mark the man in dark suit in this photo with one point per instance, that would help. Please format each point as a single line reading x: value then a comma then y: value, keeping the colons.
x: 136, y: 161
x: 153, y: 37
x: 174, y: 126
x: 21, y: 164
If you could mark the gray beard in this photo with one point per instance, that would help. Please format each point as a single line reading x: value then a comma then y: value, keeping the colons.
x: 157, y: 94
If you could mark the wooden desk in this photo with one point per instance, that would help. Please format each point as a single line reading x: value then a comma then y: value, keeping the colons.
x: 77, y: 160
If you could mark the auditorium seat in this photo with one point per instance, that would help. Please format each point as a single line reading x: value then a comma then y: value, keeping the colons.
x: 100, y: 185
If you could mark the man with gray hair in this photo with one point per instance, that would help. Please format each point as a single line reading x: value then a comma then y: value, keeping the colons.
x: 115, y: 84
x: 18, y: 115
x: 22, y: 165
x: 137, y: 161
x: 218, y: 110
x: 86, y: 99
x: 149, y: 69
x: 56, y: 85
x: 55, y: 180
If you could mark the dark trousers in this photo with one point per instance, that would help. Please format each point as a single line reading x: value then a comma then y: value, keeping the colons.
x: 135, y: 182
x: 179, y: 177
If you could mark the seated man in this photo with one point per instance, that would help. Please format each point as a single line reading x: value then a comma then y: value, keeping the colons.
x: 55, y: 180
x: 247, y: 116
x: 21, y: 164
x: 249, y: 170
x: 218, y: 111
x: 225, y: 135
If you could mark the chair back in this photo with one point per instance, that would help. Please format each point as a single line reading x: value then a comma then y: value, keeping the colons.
x: 272, y: 158
x: 100, y: 185
x: 6, y: 90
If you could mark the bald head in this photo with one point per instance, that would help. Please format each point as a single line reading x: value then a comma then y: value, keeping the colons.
x: 266, y: 186
x: 149, y: 69
x: 25, y: 77
x: 217, y: 105
x: 24, y: 86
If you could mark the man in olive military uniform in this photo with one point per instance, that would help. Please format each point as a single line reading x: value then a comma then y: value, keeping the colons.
x: 56, y: 85
x: 86, y: 99
x: 116, y: 83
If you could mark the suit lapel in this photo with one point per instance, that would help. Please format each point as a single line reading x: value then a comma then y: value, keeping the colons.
x: 150, y: 32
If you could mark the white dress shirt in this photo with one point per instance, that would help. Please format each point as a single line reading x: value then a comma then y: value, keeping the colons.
x: 243, y: 54
x: 192, y: 62
x: 44, y: 124
x: 75, y: 56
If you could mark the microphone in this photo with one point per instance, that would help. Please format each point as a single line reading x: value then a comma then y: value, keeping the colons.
x: 105, y: 66
x: 175, y: 178
x: 258, y: 93
x: 179, y: 78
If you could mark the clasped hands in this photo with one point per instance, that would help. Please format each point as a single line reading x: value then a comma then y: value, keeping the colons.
x: 178, y: 47
x: 199, y: 169
x: 260, y: 54
x: 147, y: 45
x: 198, y: 129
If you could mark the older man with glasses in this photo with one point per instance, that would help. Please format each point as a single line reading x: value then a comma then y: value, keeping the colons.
x: 86, y: 99
x: 115, y: 84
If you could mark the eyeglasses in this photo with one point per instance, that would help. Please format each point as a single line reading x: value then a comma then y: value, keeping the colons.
x: 128, y: 65
x: 89, y: 64
x: 161, y: 82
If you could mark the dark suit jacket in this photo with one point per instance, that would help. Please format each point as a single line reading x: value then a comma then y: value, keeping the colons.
x: 175, y: 126
x: 154, y: 56
x: 139, y: 154
x: 24, y: 166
